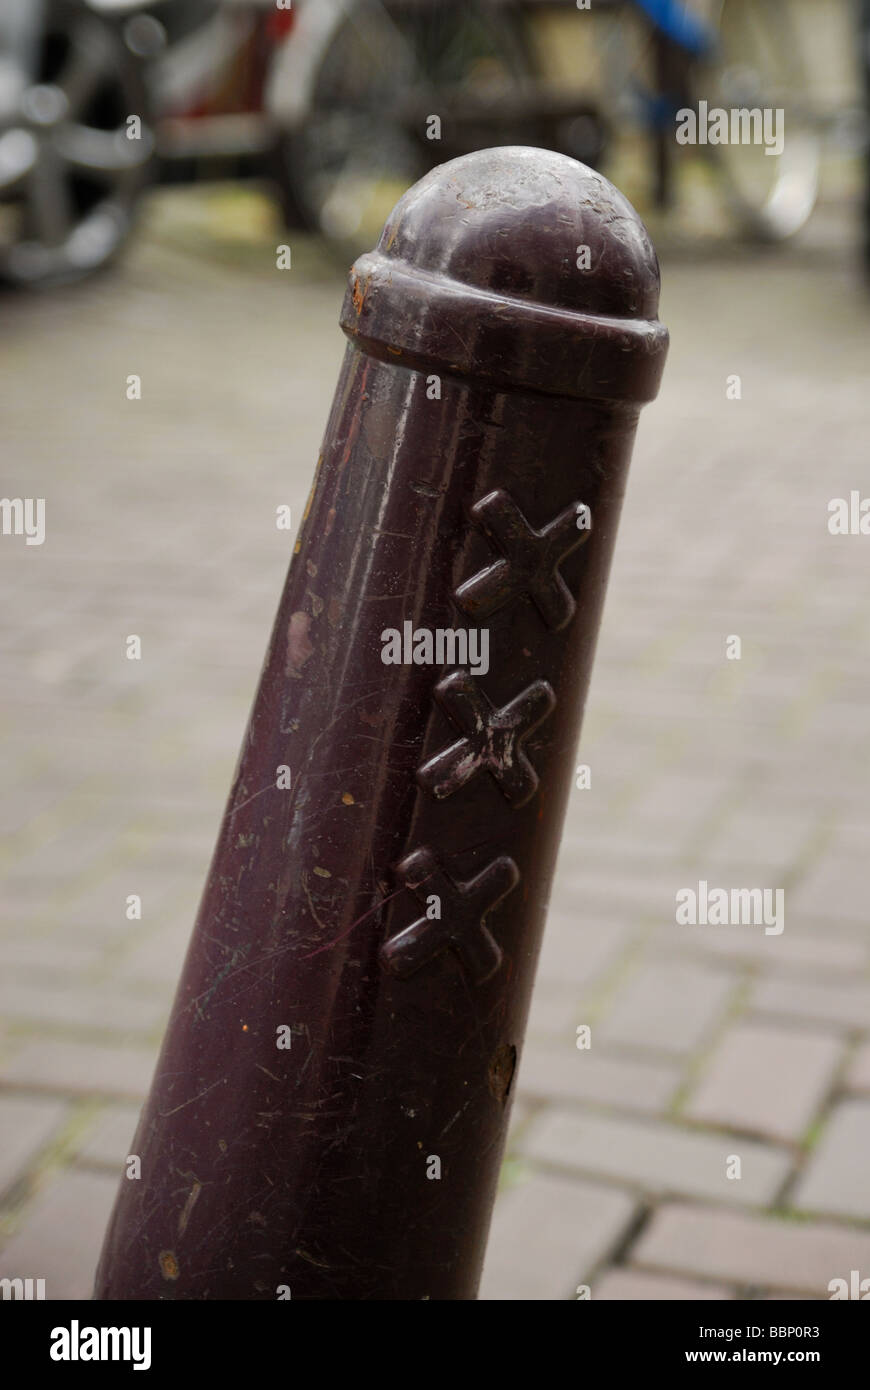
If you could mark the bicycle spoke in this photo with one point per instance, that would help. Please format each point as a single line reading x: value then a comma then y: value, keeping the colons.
x: 86, y: 66
x: 50, y: 210
x: 95, y: 151
x: 392, y: 42
x: 18, y: 152
x: 779, y: 44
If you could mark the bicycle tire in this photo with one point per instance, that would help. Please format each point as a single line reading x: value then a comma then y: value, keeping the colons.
x: 343, y: 91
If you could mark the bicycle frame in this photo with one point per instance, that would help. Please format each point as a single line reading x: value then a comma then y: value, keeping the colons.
x: 677, y: 23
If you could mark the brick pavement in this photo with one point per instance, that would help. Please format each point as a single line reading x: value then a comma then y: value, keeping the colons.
x: 708, y: 1043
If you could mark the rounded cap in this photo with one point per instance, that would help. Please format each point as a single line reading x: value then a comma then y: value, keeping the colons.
x: 518, y: 266
x: 514, y: 220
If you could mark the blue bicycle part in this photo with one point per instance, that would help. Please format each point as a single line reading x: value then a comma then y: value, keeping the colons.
x: 681, y: 25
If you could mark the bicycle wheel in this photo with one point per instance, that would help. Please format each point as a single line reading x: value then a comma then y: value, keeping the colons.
x: 363, y: 139
x: 762, y: 64
x: 69, y: 174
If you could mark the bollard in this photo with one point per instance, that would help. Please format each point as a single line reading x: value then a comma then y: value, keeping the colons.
x: 329, y: 1108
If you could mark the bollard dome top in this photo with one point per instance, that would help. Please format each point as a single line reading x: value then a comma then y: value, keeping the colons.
x: 517, y: 265
x: 514, y: 220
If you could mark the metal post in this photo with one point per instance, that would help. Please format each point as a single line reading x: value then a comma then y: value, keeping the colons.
x: 329, y: 1108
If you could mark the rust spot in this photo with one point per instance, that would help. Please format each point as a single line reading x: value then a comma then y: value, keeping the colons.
x: 501, y: 1072
x: 358, y: 294
x: 299, y: 648
x: 330, y: 521
x: 347, y: 799
x: 169, y: 1266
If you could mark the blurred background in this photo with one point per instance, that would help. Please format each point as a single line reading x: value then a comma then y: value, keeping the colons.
x: 183, y: 186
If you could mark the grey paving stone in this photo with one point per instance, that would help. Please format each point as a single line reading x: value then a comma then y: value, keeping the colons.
x: 26, y: 1124
x: 858, y: 1077
x: 547, y: 1234
x: 579, y: 946
x: 846, y: 1006
x: 677, y: 800
x: 668, y: 1007
x: 61, y: 1235
x: 107, y: 1142
x: 791, y: 951
x: 554, y: 1012
x: 751, y: 837
x: 79, y: 1068
x: 836, y: 1181
x: 767, y: 1081
x: 658, y: 1158
x: 81, y: 1005
x: 834, y: 890
x: 157, y: 958
x: 559, y: 1071
x: 740, y: 1248
x: 45, y: 954
x: 635, y: 1285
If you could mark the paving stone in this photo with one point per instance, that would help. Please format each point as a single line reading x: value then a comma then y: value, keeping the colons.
x: 61, y: 1235
x: 547, y: 1234
x: 661, y: 1159
x: 81, y: 1006
x: 858, y: 1078
x: 107, y: 1143
x: 47, y: 954
x: 677, y: 800
x: 834, y: 890
x: 789, y: 952
x: 579, y: 946
x: 560, y: 1071
x: 836, y: 1181
x: 753, y: 838
x: 158, y: 958
x: 634, y: 1285
x: 767, y: 1081
x: 79, y: 1068
x: 845, y: 1006
x: 26, y: 1124
x: 554, y: 1013
x: 747, y: 1249
x: 671, y: 1007
x: 583, y: 885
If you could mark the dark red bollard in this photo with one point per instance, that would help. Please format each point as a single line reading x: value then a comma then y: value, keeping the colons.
x: 489, y: 395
